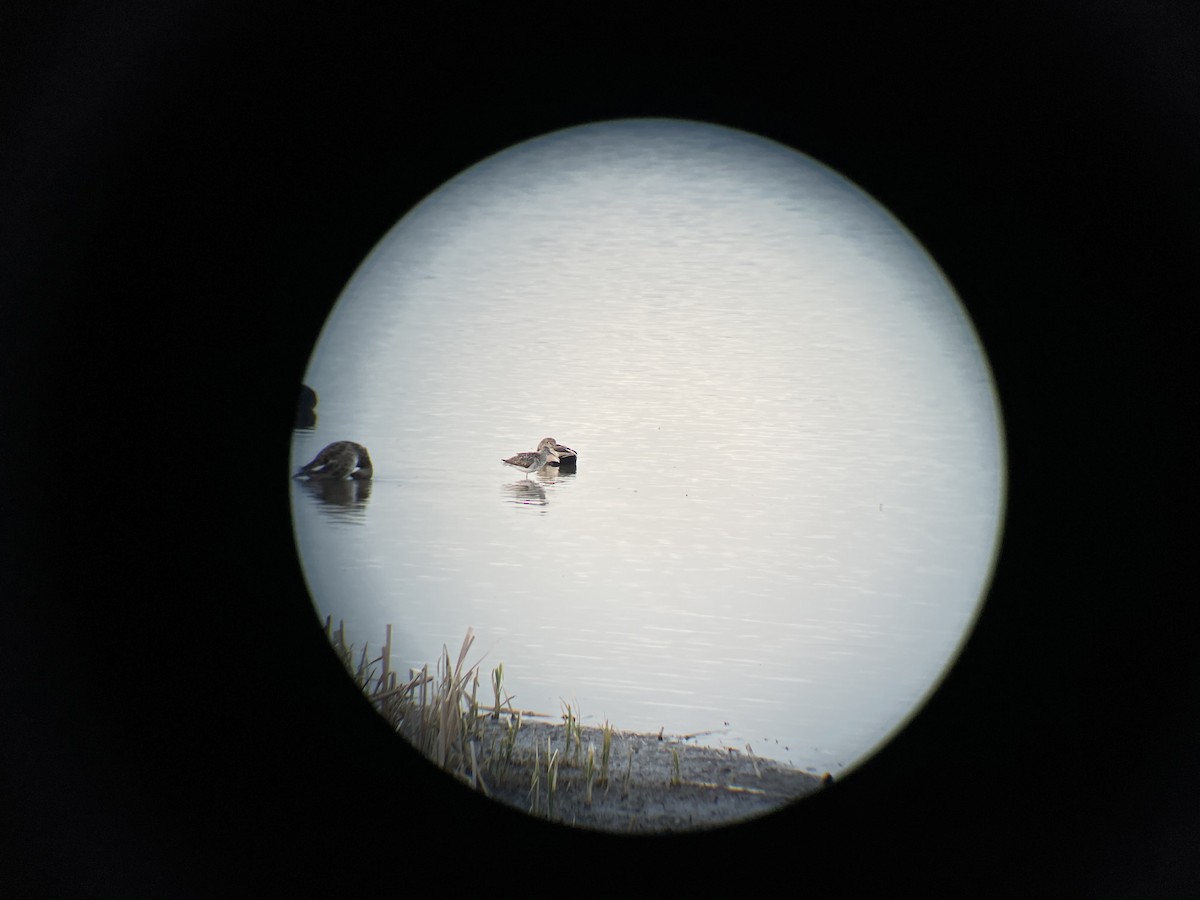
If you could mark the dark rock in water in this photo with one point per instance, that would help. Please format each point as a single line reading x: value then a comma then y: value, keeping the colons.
x: 306, y: 407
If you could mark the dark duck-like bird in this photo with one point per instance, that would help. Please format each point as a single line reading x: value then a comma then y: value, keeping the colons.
x: 341, y: 459
x: 567, y: 458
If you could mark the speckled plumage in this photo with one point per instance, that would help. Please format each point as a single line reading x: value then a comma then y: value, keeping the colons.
x: 531, y: 462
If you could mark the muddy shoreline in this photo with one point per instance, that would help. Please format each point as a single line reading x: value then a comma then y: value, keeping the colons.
x: 654, y: 784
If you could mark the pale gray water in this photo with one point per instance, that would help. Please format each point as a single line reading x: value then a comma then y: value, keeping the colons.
x: 791, y: 466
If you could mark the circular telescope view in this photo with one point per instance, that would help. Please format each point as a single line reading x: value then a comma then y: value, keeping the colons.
x: 648, y: 476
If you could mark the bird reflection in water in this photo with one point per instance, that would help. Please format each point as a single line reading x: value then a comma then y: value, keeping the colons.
x: 526, y: 493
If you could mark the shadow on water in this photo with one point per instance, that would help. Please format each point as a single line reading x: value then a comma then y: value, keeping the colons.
x: 341, y: 496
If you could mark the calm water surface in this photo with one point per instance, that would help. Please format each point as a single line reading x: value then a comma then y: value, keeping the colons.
x: 791, y: 475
